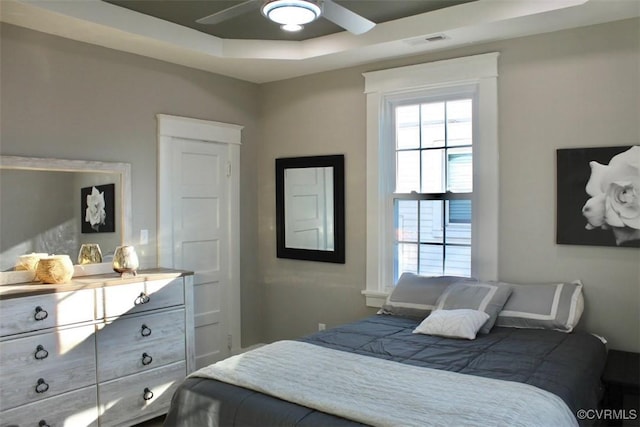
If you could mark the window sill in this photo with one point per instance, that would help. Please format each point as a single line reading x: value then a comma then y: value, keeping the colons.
x: 375, y: 298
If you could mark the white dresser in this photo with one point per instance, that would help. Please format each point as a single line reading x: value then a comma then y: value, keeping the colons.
x: 98, y: 351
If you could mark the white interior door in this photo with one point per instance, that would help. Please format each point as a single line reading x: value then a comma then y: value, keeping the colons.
x: 198, y: 226
x: 200, y: 218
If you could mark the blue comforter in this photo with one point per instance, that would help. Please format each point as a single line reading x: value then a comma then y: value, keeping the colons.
x: 568, y: 365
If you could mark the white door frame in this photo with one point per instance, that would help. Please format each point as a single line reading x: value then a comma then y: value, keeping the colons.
x: 170, y: 128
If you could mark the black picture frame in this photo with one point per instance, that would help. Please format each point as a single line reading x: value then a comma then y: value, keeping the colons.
x: 573, y: 174
x: 109, y: 224
x: 337, y: 255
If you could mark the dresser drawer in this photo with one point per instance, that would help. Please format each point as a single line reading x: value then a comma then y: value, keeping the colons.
x: 77, y: 408
x: 135, y: 344
x: 138, y: 297
x: 40, y: 366
x: 138, y: 397
x: 18, y: 315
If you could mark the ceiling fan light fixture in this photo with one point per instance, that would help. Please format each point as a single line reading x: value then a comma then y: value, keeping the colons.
x: 292, y: 28
x: 291, y: 12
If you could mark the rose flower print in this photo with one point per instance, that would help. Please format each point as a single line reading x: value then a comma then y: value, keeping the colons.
x: 615, y: 196
x: 95, y: 213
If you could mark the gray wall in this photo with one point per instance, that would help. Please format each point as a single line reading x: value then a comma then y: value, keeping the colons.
x: 575, y: 88
x: 66, y: 99
x: 319, y: 114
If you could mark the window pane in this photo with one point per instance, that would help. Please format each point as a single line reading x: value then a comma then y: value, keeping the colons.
x: 459, y: 233
x: 407, y: 127
x: 431, y: 221
x: 407, y: 171
x: 460, y: 170
x: 431, y: 260
x: 407, y: 220
x: 433, y: 134
x: 460, y: 212
x: 406, y: 258
x: 433, y: 171
x: 458, y: 261
x: 459, y: 122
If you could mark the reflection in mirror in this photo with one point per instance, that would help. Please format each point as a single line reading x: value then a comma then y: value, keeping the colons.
x: 308, y: 203
x: 42, y: 211
x: 310, y: 208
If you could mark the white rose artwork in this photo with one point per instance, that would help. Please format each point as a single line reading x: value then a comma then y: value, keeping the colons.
x: 98, y: 209
x: 615, y: 196
x: 95, y: 213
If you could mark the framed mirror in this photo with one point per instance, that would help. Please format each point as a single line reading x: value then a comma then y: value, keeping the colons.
x: 43, y: 207
x: 310, y: 208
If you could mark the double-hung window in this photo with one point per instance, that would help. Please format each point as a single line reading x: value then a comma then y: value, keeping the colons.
x: 432, y: 172
x: 433, y: 185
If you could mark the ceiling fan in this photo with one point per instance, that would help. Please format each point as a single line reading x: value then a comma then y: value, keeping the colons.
x: 293, y: 14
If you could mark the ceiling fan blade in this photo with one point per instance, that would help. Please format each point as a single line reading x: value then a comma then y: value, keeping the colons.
x: 345, y: 18
x: 230, y: 12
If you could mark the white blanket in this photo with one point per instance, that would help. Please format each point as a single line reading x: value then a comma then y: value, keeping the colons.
x: 385, y: 393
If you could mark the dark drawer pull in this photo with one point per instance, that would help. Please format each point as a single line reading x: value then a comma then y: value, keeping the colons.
x: 142, y: 299
x: 42, y: 386
x: 43, y: 423
x: 146, y: 359
x: 146, y: 331
x: 41, y: 353
x: 41, y: 314
x: 148, y: 394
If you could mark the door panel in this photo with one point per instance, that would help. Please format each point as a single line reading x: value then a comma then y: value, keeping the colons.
x: 200, y: 218
x: 202, y: 256
x: 196, y: 212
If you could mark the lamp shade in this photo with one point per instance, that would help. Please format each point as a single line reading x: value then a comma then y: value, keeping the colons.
x: 291, y: 12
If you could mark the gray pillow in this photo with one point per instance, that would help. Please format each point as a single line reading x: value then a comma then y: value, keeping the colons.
x: 555, y: 306
x: 487, y: 297
x: 416, y: 296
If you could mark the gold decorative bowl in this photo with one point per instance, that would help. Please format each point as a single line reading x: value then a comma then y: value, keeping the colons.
x: 54, y: 269
x: 125, y: 260
x: 90, y: 253
x: 29, y: 262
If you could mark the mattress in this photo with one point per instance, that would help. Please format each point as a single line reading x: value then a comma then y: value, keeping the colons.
x: 567, y: 365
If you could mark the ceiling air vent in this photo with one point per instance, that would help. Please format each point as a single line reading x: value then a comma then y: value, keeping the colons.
x: 428, y: 39
x: 436, y: 38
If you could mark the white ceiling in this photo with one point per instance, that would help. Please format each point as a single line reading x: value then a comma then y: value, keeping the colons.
x: 259, y: 61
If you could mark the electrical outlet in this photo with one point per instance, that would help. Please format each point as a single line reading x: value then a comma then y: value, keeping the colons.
x: 322, y: 326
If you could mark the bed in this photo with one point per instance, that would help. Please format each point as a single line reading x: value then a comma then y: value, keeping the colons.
x: 379, y: 371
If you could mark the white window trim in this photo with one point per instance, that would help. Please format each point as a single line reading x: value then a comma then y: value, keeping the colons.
x: 380, y: 88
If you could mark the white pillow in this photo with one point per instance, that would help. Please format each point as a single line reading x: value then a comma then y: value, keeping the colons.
x: 460, y: 323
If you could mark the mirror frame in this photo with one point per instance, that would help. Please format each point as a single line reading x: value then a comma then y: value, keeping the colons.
x: 337, y: 163
x: 64, y: 165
